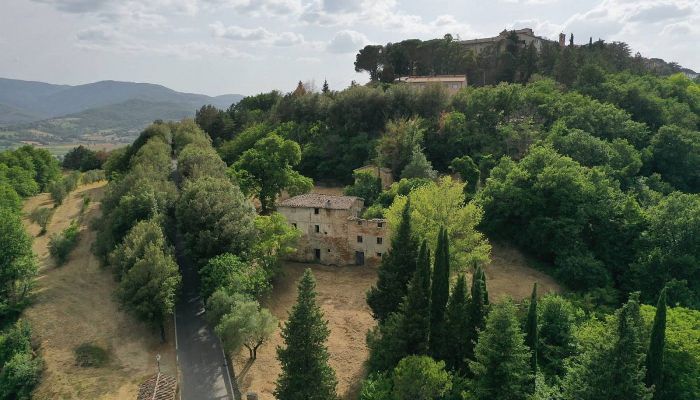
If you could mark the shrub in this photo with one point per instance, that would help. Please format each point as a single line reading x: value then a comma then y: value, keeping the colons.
x: 19, y: 376
x: 61, y: 245
x: 41, y: 216
x: 90, y: 355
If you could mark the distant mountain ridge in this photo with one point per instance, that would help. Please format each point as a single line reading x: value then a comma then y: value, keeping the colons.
x: 38, y: 111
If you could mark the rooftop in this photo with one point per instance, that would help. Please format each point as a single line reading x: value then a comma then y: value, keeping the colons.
x: 315, y: 200
x: 158, y: 387
x: 436, y: 78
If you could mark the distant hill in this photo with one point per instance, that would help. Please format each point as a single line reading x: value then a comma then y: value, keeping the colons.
x: 43, y: 112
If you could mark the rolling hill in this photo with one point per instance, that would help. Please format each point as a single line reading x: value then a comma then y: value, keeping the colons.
x: 110, y: 111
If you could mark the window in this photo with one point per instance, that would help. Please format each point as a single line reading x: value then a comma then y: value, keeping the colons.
x: 379, y: 240
x: 359, y: 222
x: 317, y: 254
x: 315, y: 210
x: 380, y: 224
x: 329, y: 250
x: 318, y: 228
x: 379, y: 255
x: 294, y: 224
x: 359, y: 239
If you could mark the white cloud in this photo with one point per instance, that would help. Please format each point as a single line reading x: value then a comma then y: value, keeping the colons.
x: 259, y: 35
x: 347, y: 41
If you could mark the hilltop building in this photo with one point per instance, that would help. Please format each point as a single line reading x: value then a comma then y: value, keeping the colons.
x: 333, y: 232
x: 451, y: 82
x: 526, y: 36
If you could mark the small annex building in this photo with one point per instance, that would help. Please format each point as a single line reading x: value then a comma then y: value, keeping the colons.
x: 332, y: 231
x: 452, y: 83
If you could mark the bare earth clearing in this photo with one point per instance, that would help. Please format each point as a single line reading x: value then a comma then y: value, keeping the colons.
x: 74, y: 304
x: 341, y: 294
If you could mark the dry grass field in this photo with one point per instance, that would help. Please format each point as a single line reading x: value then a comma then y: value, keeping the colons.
x: 73, y: 304
x: 341, y: 294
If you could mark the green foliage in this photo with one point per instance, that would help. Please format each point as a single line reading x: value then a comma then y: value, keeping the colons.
x: 457, y: 327
x: 478, y: 311
x: 469, y: 172
x: 439, y: 294
x: 274, y: 239
x: 556, y: 318
x: 266, y: 170
x: 41, y: 216
x: 418, y: 167
x: 396, y: 268
x: 420, y: 378
x: 195, y: 161
x: 306, y: 374
x: 60, y: 245
x: 20, y: 367
x: 531, y: 330
x: 367, y: 186
x: 17, y: 261
x: 675, y: 154
x: 501, y: 367
x: 441, y: 204
x: 58, y: 192
x: 90, y: 355
x: 9, y: 199
x: 28, y: 170
x: 247, y: 325
x: 83, y: 159
x: 133, y: 246
x: 401, y: 139
x: 229, y: 271
x: 214, y: 218
x: 416, y: 306
x: 655, y: 353
x: 149, y: 288
x: 376, y: 387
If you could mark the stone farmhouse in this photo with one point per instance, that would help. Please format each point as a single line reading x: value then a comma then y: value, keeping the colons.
x: 333, y: 232
x: 526, y: 36
x: 450, y: 82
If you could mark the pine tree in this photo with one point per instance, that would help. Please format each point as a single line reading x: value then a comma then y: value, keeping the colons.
x: 457, y: 325
x: 304, y: 359
x: 395, y: 271
x: 439, y: 295
x: 501, y: 370
x: 325, y: 88
x: 477, y: 310
x: 655, y: 354
x: 531, y: 336
x: 416, y: 307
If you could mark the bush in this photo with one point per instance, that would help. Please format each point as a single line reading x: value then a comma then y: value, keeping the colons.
x: 19, y: 376
x: 58, y: 192
x: 86, y: 203
x: 41, y: 216
x: 90, y: 355
x: 61, y: 245
x: 93, y: 175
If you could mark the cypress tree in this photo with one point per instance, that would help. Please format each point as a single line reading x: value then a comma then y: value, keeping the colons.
x: 457, y: 326
x: 655, y: 354
x: 395, y: 271
x: 439, y: 295
x: 531, y: 336
x: 477, y: 310
x: 501, y: 370
x: 305, y: 374
x: 416, y: 307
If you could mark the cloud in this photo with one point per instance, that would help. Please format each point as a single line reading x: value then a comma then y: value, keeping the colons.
x: 259, y: 35
x: 76, y: 6
x: 347, y: 41
x: 259, y: 8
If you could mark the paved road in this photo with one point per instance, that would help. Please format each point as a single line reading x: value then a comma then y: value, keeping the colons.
x: 202, y: 364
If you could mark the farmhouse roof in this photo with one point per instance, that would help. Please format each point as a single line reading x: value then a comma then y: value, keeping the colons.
x: 370, y: 167
x: 315, y: 200
x: 158, y: 387
x: 436, y: 78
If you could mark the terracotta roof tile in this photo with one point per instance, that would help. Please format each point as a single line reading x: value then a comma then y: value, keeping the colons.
x: 315, y: 200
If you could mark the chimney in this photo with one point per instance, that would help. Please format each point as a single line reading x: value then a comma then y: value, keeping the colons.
x: 562, y: 40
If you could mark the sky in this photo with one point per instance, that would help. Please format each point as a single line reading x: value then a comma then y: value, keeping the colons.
x: 250, y: 46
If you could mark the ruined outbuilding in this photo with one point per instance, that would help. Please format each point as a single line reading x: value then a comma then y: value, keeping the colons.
x: 333, y: 233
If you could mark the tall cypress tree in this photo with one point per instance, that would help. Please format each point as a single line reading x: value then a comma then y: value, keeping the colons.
x: 416, y: 307
x: 457, y: 326
x: 304, y: 359
x: 439, y: 295
x: 395, y: 271
x: 655, y: 354
x: 477, y: 310
x: 501, y: 370
x: 531, y: 336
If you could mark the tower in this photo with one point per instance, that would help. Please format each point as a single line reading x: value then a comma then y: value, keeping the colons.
x: 562, y: 40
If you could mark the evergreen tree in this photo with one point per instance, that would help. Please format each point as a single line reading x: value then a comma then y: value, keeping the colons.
x: 396, y: 269
x: 477, y: 310
x: 416, y: 307
x: 655, y: 354
x: 325, y: 88
x: 531, y: 336
x: 306, y: 374
x: 439, y: 295
x: 457, y: 326
x: 501, y: 370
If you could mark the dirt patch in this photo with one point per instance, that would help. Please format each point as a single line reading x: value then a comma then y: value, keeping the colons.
x: 341, y: 295
x: 509, y: 275
x: 74, y: 305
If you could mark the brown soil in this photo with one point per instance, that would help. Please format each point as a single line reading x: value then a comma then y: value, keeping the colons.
x: 341, y: 294
x: 74, y: 304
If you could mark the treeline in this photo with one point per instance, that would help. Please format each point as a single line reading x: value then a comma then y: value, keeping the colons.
x: 437, y: 340
x: 507, y: 60
x: 131, y: 232
x: 23, y: 172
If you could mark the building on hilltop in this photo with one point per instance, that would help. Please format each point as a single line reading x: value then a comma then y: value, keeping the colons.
x: 526, y: 36
x: 451, y: 82
x: 332, y: 231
